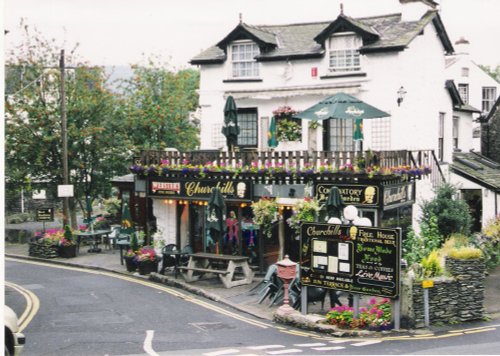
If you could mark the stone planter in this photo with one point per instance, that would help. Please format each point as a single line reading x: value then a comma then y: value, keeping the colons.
x: 42, y: 251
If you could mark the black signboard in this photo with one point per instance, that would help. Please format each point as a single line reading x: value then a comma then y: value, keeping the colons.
x: 45, y: 214
x: 357, y: 259
x: 396, y: 195
x: 352, y: 194
x: 201, y: 189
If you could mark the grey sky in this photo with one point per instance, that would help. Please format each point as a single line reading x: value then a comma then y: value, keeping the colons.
x: 118, y: 32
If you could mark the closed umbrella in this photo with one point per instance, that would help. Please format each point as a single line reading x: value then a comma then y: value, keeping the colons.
x: 231, y: 129
x: 126, y: 225
x: 334, y: 204
x: 272, y: 141
x: 216, y: 215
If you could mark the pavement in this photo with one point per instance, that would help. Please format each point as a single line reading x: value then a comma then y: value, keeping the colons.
x: 243, y: 298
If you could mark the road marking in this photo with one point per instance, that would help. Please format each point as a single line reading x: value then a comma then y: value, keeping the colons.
x: 265, y: 347
x: 287, y: 351
x: 473, y: 329
x: 32, y: 305
x: 222, y: 352
x: 298, y: 333
x: 328, y: 348
x: 342, y: 341
x: 186, y: 297
x: 365, y: 343
x: 148, y: 343
x: 309, y: 345
x: 479, y: 331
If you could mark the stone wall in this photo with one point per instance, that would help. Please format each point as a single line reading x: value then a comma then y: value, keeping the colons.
x: 457, y: 298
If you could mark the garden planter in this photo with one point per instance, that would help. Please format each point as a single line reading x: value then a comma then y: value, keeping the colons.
x: 42, y: 250
x: 147, y: 267
x: 130, y: 264
x: 67, y: 251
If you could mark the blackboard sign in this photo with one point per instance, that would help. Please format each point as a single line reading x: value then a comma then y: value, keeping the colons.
x: 357, y: 259
x: 45, y: 214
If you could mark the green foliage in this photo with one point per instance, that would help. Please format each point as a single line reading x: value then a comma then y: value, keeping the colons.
x: 289, y: 130
x: 417, y: 247
x: 431, y: 265
x: 489, y: 243
x: 493, y: 72
x: 19, y: 218
x: 265, y: 212
x: 452, y: 214
x: 156, y: 106
x: 134, y: 245
x: 305, y: 210
x: 68, y: 234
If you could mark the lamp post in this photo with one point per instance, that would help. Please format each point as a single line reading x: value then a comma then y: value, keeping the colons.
x: 287, y: 272
x: 64, y: 132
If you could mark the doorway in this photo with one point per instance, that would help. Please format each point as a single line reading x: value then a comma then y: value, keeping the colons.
x: 474, y: 199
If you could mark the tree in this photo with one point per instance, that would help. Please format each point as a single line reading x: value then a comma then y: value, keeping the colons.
x: 453, y: 215
x: 493, y: 72
x: 157, y: 106
x: 96, y: 140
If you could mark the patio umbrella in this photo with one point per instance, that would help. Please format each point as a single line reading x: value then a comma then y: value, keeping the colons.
x: 341, y: 106
x: 334, y: 203
x: 231, y: 129
x: 272, y: 141
x: 216, y: 215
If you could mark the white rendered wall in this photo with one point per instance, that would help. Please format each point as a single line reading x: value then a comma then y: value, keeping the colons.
x: 165, y: 220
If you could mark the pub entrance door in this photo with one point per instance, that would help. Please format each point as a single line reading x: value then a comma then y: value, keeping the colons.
x: 197, y: 227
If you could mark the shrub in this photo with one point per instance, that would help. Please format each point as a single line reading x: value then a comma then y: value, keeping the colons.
x: 453, y: 215
x: 377, y: 315
x: 431, y: 265
x: 417, y: 247
x: 489, y: 243
x: 465, y: 253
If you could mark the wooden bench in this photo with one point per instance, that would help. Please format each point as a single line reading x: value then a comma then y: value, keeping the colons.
x: 204, y: 270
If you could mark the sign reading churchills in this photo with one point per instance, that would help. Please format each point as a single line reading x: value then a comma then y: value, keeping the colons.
x: 357, y: 259
x: 201, y: 189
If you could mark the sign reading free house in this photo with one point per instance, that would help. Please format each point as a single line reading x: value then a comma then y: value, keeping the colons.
x: 200, y: 189
x: 363, y: 260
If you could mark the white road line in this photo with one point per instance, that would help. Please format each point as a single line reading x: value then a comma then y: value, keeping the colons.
x: 365, y: 343
x: 286, y: 352
x: 148, y: 343
x: 341, y: 341
x: 309, y: 345
x: 222, y: 352
x: 328, y: 348
x: 264, y: 347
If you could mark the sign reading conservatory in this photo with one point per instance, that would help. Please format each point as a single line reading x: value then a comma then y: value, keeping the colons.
x: 200, y: 189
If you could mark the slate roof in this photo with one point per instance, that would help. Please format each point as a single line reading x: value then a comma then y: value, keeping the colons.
x: 477, y: 168
x: 306, y: 40
x: 458, y: 103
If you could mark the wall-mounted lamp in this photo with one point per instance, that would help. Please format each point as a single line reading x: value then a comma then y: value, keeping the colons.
x: 401, y: 95
x: 291, y: 193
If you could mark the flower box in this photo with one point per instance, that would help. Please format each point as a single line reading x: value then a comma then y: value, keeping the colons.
x: 147, y: 267
x: 131, y: 264
x: 67, y: 251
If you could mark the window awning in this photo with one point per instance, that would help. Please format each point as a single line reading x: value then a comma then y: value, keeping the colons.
x: 295, y: 91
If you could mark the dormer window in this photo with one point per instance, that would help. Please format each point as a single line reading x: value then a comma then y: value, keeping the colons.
x: 344, y: 53
x: 243, y: 56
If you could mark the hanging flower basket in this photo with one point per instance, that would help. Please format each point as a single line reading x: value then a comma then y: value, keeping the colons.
x: 265, y: 212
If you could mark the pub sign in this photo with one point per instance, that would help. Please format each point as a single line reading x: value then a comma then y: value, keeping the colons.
x: 356, y: 259
x: 200, y: 189
x: 352, y: 194
x: 45, y: 214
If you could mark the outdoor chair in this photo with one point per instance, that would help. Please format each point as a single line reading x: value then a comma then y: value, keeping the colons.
x: 184, y: 258
x: 168, y: 260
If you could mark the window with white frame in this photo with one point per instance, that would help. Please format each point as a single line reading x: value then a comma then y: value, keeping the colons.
x: 463, y: 90
x: 489, y: 97
x: 381, y: 134
x: 340, y: 137
x: 247, y: 121
x: 455, y: 132
x: 440, y: 154
x: 218, y: 139
x: 344, y: 53
x: 243, y: 60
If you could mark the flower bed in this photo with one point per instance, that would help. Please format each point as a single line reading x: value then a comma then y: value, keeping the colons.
x: 377, y: 316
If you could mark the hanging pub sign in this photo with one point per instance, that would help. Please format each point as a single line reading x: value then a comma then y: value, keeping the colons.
x: 356, y: 259
x: 396, y: 195
x: 352, y: 194
x: 200, y: 189
x: 45, y: 214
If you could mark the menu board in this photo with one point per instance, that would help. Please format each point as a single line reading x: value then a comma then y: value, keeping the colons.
x: 45, y: 214
x: 357, y: 259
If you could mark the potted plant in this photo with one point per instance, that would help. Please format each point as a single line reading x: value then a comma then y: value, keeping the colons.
x: 130, y: 260
x: 288, y: 128
x: 147, y: 260
x: 67, y: 246
x: 306, y: 210
x: 265, y: 212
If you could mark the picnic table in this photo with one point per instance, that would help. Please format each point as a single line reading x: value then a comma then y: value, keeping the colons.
x: 210, y: 264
